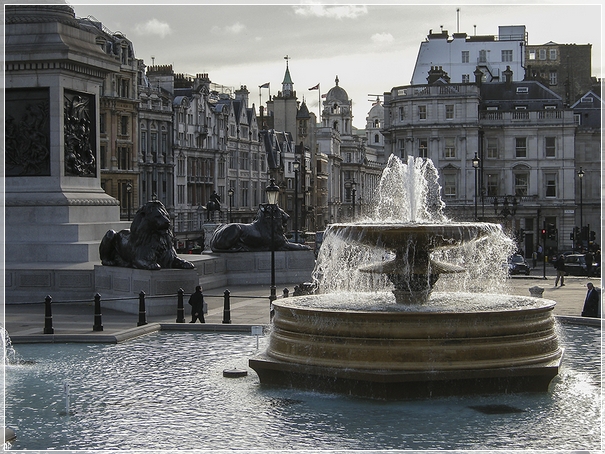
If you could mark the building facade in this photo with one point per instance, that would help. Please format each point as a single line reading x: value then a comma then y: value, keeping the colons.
x: 505, y: 152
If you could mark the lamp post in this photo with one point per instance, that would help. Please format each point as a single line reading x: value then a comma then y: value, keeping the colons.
x: 476, y: 163
x: 128, y: 196
x: 230, y: 192
x: 581, y: 177
x: 272, y: 195
x: 296, y: 166
x: 353, y: 191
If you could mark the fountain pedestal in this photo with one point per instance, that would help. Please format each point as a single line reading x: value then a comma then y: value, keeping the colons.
x: 406, y: 354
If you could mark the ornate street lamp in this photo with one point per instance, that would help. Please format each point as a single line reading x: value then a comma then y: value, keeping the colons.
x: 296, y: 166
x: 272, y: 195
x: 128, y: 197
x: 230, y: 192
x: 581, y: 177
x: 476, y: 163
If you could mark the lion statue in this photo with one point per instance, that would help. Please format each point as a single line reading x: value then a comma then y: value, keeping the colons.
x: 255, y: 236
x: 147, y: 245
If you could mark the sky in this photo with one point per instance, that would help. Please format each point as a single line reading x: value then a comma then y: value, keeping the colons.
x: 370, y: 47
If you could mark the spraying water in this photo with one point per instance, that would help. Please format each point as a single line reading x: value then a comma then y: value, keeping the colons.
x: 408, y: 194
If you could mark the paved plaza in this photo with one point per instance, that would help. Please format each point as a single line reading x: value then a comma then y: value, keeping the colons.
x: 249, y: 306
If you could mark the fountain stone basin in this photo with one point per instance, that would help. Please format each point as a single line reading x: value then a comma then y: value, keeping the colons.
x: 412, y: 271
x: 411, y: 353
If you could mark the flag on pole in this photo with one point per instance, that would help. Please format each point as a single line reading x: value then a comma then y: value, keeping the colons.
x: 316, y: 87
x: 264, y: 85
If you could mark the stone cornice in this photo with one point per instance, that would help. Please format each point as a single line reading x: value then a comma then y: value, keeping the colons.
x: 62, y: 202
x: 54, y: 65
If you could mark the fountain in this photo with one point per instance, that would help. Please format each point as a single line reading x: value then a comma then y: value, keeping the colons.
x: 377, y: 328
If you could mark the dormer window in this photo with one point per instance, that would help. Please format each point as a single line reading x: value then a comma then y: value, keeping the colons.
x: 522, y: 89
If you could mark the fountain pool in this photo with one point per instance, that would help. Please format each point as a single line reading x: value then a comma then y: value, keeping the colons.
x: 167, y: 391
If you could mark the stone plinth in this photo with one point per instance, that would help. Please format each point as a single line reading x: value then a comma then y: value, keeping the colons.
x: 254, y: 268
x: 120, y: 288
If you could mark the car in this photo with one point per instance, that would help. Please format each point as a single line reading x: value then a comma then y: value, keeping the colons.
x: 518, y: 265
x: 575, y: 265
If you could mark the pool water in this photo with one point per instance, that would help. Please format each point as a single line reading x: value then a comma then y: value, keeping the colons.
x: 167, y: 391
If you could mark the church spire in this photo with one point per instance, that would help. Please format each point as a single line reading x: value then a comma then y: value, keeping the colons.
x: 287, y: 84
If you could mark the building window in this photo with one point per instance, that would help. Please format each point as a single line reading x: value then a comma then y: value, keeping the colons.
x: 521, y: 183
x: 376, y: 138
x: 154, y: 147
x: 401, y: 113
x: 123, y: 158
x: 181, y: 167
x: 450, y: 147
x: 532, y: 54
x: 449, y: 111
x: 542, y: 54
x: 550, y: 147
x: 466, y: 78
x: 492, y: 185
x: 492, y: 147
x: 507, y: 55
x: 465, y: 56
x: 552, y: 54
x: 401, y: 147
x: 143, y: 144
x: 449, y: 185
x: 423, y: 148
x: 553, y: 78
x: 483, y: 56
x: 422, y: 112
x: 232, y: 160
x: 124, y: 125
x: 244, y: 201
x: 521, y: 147
x: 245, y: 160
x: 577, y: 119
x: 102, y: 123
x: 551, y: 184
x: 103, y: 157
x: 180, y: 194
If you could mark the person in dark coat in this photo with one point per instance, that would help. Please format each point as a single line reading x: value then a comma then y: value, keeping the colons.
x: 591, y: 303
x: 196, y: 300
x: 560, y: 267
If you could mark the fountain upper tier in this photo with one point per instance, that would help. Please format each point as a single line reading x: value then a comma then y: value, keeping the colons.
x: 412, y: 271
x: 427, y: 235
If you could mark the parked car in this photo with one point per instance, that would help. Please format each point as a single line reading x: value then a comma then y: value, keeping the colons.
x: 518, y: 265
x: 575, y: 265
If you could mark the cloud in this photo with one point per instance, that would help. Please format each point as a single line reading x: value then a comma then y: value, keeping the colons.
x: 331, y: 12
x: 382, y: 38
x: 153, y: 27
x: 234, y: 29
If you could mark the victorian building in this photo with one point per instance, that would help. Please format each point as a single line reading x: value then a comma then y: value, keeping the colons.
x: 118, y: 118
x: 505, y: 151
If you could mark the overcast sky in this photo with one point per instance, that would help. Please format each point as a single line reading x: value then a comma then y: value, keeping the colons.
x: 371, y: 48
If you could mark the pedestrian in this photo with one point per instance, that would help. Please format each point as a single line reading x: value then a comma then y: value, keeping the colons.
x: 591, y: 303
x: 589, y: 258
x: 196, y: 300
x: 534, y: 259
x: 560, y: 267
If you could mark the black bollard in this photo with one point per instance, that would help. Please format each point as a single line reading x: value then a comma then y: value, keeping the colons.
x: 286, y: 293
x: 142, y: 311
x: 227, y: 307
x: 180, y: 310
x: 98, y: 326
x: 48, y: 316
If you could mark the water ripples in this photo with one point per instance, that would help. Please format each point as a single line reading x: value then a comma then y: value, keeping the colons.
x: 166, y: 391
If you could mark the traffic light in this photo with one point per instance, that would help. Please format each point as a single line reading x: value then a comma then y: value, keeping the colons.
x: 552, y: 232
x: 543, y: 232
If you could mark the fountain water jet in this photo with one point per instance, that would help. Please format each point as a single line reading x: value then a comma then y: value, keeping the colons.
x: 357, y: 337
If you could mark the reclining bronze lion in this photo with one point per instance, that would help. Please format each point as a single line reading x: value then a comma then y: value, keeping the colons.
x: 148, y: 244
x: 255, y: 236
